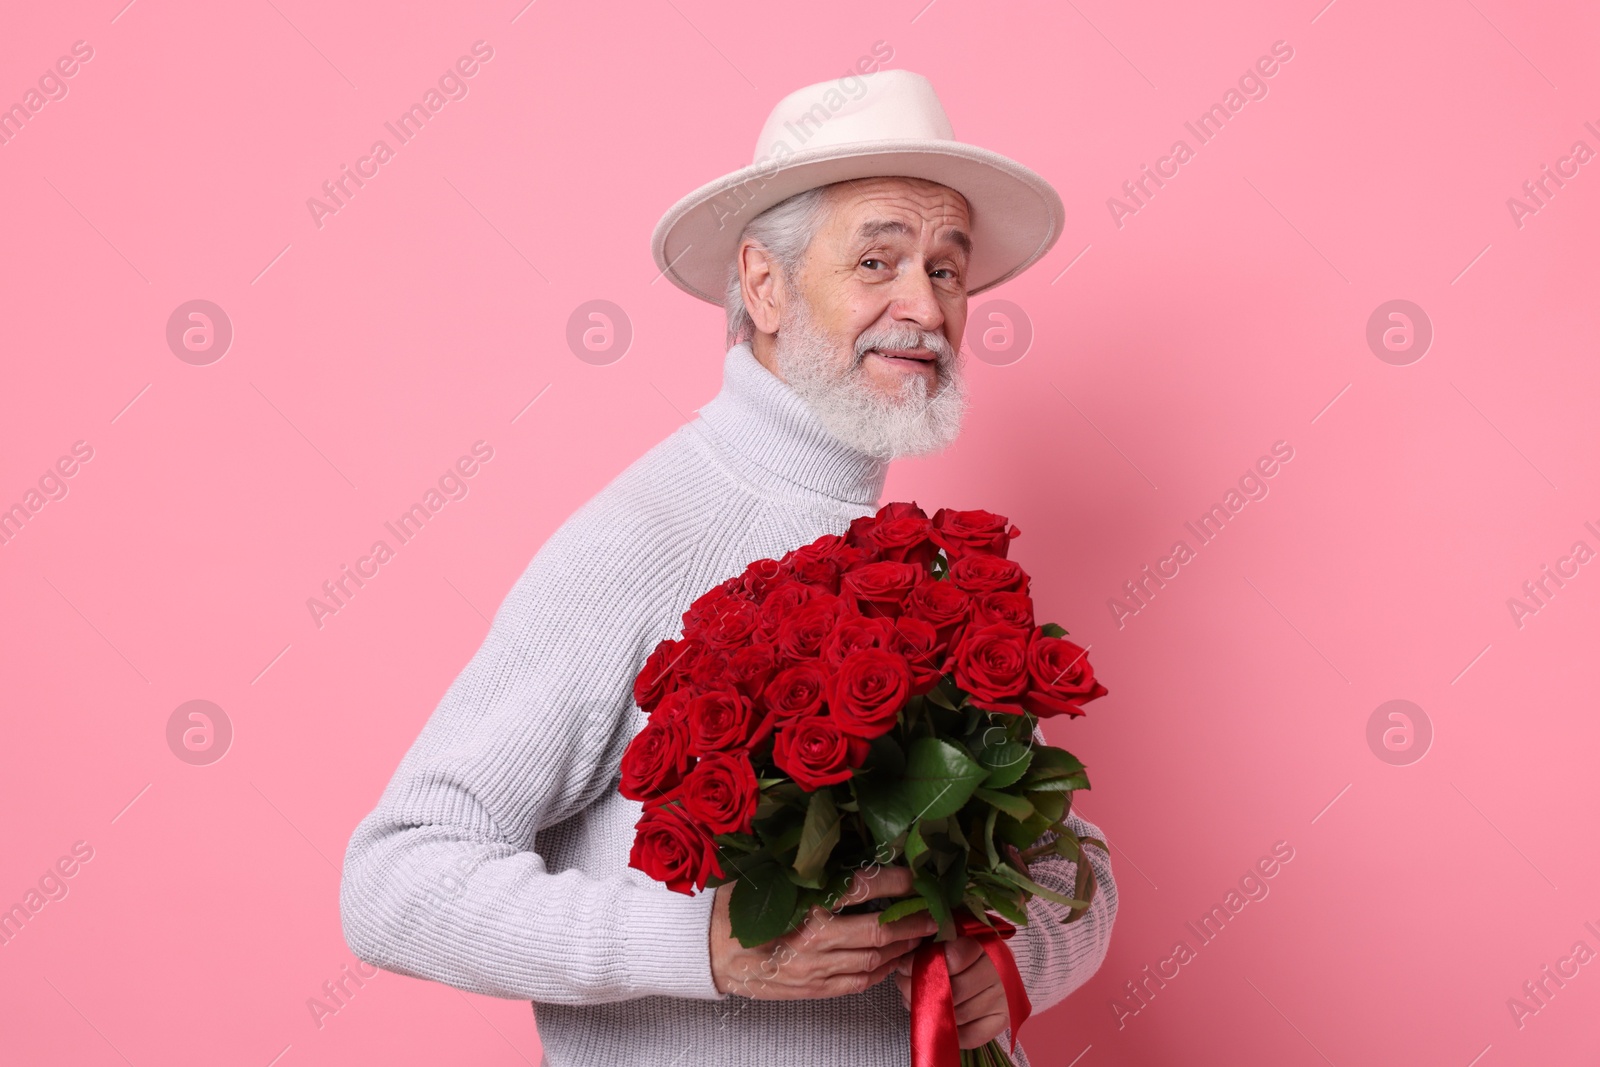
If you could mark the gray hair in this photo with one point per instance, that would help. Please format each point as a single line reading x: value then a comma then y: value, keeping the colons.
x: 785, y: 231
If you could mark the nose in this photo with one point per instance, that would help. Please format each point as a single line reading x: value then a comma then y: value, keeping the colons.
x: 915, y: 301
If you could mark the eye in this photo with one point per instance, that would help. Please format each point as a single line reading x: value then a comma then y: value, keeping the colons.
x: 871, y: 260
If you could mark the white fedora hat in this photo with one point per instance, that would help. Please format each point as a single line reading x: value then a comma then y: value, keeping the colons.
x: 819, y: 135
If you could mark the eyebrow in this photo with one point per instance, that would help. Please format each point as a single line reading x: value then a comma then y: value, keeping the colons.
x: 875, y: 228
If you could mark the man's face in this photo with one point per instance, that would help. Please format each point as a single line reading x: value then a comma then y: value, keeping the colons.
x: 870, y: 330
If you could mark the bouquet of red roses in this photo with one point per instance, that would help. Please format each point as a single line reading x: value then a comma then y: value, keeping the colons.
x: 868, y: 697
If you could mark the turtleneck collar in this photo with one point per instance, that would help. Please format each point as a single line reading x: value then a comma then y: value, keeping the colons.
x: 767, y: 433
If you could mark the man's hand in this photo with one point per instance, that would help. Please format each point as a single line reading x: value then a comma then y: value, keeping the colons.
x: 828, y: 955
x: 980, y: 998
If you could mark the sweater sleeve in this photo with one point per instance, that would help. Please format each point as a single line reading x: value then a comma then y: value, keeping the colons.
x: 1054, y: 959
x: 442, y: 880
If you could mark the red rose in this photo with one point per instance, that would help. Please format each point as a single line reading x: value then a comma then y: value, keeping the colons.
x: 709, y: 671
x: 721, y: 793
x: 944, y: 605
x: 750, y: 667
x: 880, y: 588
x: 686, y: 653
x: 1013, y: 609
x: 810, y: 567
x: 965, y: 533
x: 988, y: 574
x: 657, y: 676
x: 718, y: 721
x: 669, y: 848
x: 867, y: 691
x: 925, y: 655
x: 992, y: 665
x: 782, y: 599
x: 1062, y: 677
x: 796, y: 691
x: 758, y: 577
x: 709, y: 605
x: 815, y: 752
x: 852, y: 633
x: 731, y: 626
x: 800, y: 635
x: 656, y: 759
x: 841, y: 551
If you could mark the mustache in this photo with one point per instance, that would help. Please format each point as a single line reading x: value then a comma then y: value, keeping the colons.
x: 907, y: 337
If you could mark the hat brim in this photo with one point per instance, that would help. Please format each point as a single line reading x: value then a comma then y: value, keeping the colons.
x: 1015, y: 215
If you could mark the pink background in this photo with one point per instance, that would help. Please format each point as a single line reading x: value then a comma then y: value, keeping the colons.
x: 1169, y: 353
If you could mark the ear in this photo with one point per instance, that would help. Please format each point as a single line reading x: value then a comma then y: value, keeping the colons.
x: 760, y: 287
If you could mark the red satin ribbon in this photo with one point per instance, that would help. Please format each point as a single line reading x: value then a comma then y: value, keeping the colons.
x: 934, y: 1042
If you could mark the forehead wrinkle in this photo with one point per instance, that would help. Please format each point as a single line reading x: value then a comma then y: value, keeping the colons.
x: 877, y: 227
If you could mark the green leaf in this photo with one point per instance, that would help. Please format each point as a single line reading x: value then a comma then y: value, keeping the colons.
x: 931, y: 892
x: 1006, y: 900
x: 916, y: 847
x: 1011, y: 874
x: 1021, y: 834
x: 901, y: 908
x: 941, y: 696
x: 1063, y: 784
x: 988, y: 837
x: 1052, y: 762
x: 1053, y: 630
x: 939, y: 779
x: 738, y: 842
x: 762, y: 904
x: 1049, y: 804
x: 1005, y: 761
x: 818, y: 836
x: 1016, y: 807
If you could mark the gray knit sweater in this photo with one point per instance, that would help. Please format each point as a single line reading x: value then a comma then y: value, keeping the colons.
x: 496, y: 859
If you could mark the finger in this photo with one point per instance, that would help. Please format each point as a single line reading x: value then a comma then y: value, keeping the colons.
x: 980, y: 1031
x: 974, y: 980
x: 964, y: 953
x: 865, y: 931
x: 984, y: 1002
x: 875, y: 883
x: 841, y: 985
x: 845, y: 961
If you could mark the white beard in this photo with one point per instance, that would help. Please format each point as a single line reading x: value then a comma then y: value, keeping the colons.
x: 907, y: 423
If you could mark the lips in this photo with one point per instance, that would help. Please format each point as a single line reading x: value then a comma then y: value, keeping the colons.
x: 904, y: 355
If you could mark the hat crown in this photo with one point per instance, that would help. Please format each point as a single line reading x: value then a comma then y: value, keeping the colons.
x: 882, y: 106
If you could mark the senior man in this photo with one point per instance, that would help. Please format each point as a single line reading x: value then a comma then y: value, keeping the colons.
x: 496, y: 860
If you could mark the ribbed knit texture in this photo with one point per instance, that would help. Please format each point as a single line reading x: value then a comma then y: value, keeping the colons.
x: 496, y: 860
